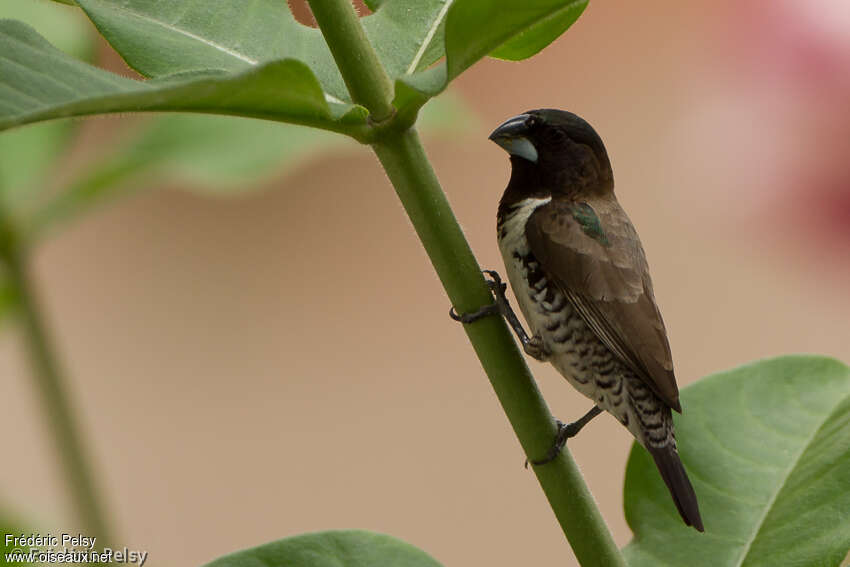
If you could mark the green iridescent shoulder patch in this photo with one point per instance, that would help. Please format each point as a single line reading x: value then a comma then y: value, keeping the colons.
x: 590, y: 223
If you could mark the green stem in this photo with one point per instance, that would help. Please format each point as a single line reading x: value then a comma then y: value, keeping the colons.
x: 403, y: 157
x: 51, y: 387
x: 365, y: 77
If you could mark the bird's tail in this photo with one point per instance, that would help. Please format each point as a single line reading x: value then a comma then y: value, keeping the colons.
x: 674, y: 475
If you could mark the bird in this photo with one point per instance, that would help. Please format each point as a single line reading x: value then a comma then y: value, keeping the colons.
x: 580, y: 276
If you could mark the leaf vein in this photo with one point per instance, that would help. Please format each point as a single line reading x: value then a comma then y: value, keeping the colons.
x: 426, y: 41
x: 757, y: 528
x: 24, y: 93
x: 32, y: 72
x: 190, y: 35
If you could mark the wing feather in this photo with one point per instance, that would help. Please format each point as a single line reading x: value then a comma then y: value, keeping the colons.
x: 607, y: 281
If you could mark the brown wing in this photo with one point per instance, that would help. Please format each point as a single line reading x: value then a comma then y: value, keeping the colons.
x: 607, y: 280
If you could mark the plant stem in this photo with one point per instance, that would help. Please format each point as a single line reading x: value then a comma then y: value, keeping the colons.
x: 403, y: 157
x: 366, y: 79
x: 50, y: 384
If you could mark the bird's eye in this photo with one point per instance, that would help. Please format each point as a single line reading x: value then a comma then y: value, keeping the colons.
x: 531, y: 122
x: 555, y: 135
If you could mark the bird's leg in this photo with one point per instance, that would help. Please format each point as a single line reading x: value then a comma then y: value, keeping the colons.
x: 567, y: 431
x: 533, y: 346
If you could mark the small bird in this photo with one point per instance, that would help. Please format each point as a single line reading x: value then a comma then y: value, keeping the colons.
x: 580, y: 276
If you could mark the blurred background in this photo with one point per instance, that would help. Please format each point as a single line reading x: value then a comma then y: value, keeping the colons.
x: 250, y: 365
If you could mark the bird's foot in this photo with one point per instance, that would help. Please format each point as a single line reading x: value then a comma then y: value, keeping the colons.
x: 565, y: 431
x: 495, y: 283
x: 498, y: 288
x: 474, y: 316
x: 534, y: 348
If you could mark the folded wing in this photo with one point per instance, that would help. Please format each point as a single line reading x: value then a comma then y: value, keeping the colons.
x: 594, y: 254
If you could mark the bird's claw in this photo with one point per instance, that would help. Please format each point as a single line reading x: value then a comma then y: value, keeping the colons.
x: 565, y: 431
x: 497, y: 287
x: 495, y: 284
x: 535, y: 348
x: 474, y: 316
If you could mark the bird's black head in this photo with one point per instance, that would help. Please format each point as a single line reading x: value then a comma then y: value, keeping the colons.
x: 557, y: 151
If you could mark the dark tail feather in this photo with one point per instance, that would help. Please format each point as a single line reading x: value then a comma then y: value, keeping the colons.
x: 674, y: 475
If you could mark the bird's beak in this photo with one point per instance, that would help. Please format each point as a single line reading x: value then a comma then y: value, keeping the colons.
x: 511, y: 136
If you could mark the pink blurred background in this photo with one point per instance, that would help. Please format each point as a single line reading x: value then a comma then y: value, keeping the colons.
x: 258, y: 367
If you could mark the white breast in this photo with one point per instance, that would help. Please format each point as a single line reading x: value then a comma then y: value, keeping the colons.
x: 512, y: 242
x: 513, y: 225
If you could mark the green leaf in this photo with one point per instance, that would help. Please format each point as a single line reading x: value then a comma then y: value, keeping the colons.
x: 330, y: 549
x: 767, y: 447
x: 218, y: 155
x: 210, y: 154
x: 532, y: 39
x: 476, y: 28
x: 159, y: 38
x: 228, y: 155
x: 408, y: 36
x: 38, y: 82
x: 26, y: 155
x: 164, y: 38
